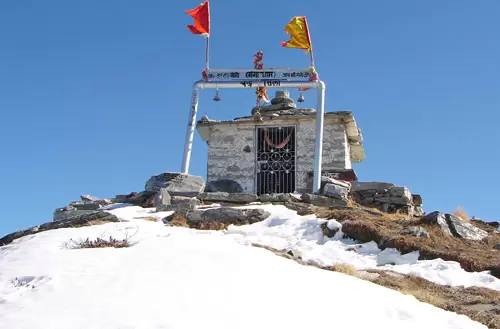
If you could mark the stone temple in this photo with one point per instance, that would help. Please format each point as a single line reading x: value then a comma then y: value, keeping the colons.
x: 272, y: 151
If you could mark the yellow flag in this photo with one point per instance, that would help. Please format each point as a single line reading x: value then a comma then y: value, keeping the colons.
x: 299, y: 34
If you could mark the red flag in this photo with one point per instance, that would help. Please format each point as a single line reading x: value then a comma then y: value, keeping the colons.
x: 201, y: 15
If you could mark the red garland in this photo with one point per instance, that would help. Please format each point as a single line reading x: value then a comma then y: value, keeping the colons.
x: 280, y: 145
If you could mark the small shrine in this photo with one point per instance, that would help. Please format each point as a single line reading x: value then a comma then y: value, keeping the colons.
x: 273, y: 149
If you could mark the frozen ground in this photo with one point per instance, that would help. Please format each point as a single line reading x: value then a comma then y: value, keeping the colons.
x: 182, y: 278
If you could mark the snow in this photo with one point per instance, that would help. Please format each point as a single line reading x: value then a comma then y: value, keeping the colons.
x: 284, y: 229
x: 180, y: 278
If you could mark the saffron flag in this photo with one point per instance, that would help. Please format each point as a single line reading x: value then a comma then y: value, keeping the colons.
x: 201, y: 15
x: 299, y: 34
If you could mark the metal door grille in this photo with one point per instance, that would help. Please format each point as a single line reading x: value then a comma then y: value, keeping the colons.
x: 275, y: 160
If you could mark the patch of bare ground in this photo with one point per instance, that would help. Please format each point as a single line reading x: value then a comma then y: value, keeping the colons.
x: 366, y: 225
x: 479, y: 304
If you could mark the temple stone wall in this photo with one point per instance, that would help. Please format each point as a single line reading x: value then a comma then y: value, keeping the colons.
x: 231, y: 155
x: 231, y: 150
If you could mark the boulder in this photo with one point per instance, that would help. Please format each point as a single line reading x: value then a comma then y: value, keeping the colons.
x: 463, y: 229
x: 418, y: 211
x: 145, y: 199
x: 183, y: 203
x: 90, y: 198
x: 278, y: 197
x: 438, y: 218
x: 416, y: 231
x: 235, y: 215
x: 176, y: 184
x: 220, y: 218
x: 302, y: 209
x: 417, y: 199
x: 375, y: 186
x: 322, y: 201
x: 69, y: 212
x: 75, y: 221
x: 224, y: 185
x: 162, y: 200
x: 336, y: 191
x: 240, y: 198
x: 85, y: 205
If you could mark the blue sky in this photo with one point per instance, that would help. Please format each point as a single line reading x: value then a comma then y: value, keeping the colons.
x: 94, y: 95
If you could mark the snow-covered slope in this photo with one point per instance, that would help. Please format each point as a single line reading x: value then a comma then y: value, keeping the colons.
x: 182, y: 278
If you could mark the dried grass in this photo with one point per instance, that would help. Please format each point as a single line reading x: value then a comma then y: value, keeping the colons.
x: 345, y: 268
x: 367, y: 225
x: 460, y: 212
x: 98, y: 243
x: 149, y: 219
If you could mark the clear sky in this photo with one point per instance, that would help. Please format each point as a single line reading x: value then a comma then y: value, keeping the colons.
x: 94, y: 95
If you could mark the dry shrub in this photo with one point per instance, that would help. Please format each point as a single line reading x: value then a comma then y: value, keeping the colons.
x: 210, y: 225
x: 149, y: 219
x: 177, y: 219
x: 99, y: 243
x: 344, y: 268
x: 460, y: 212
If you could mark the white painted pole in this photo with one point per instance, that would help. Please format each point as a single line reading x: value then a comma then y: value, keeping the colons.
x: 188, y: 145
x: 318, y: 153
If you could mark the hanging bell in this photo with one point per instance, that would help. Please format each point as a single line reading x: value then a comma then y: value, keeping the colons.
x: 216, y: 97
x: 301, y: 98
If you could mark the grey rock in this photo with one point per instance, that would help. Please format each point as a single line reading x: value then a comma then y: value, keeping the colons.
x: 418, y: 211
x: 376, y: 186
x: 463, y: 229
x: 145, y: 199
x: 417, y: 199
x: 400, y: 191
x: 240, y: 198
x: 439, y: 218
x: 278, y: 197
x: 416, y: 231
x: 322, y: 201
x: 162, y: 200
x: 183, y: 204
x: 497, y: 246
x: 75, y: 221
x: 224, y: 185
x: 90, y: 198
x: 69, y: 212
x: 176, y: 184
x: 336, y: 191
x: 401, y: 201
x: 302, y: 209
x: 85, y: 205
x: 232, y: 215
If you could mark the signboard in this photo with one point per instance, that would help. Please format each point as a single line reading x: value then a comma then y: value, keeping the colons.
x: 238, y: 75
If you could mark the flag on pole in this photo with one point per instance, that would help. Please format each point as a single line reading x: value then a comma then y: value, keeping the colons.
x: 201, y: 15
x: 299, y: 34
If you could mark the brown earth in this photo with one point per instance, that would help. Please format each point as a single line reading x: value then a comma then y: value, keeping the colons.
x: 386, y: 230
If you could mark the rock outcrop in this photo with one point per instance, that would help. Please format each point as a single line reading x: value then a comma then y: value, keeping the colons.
x: 176, y: 184
x: 387, y: 197
x: 75, y: 221
x: 452, y: 225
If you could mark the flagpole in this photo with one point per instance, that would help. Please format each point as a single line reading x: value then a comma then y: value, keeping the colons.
x: 310, y: 42
x: 207, y: 53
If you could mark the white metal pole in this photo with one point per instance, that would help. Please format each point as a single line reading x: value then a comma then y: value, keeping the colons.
x: 318, y: 153
x: 188, y: 146
x: 319, y: 85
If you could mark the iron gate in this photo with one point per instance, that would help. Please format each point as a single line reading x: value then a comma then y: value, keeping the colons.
x: 275, y: 159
